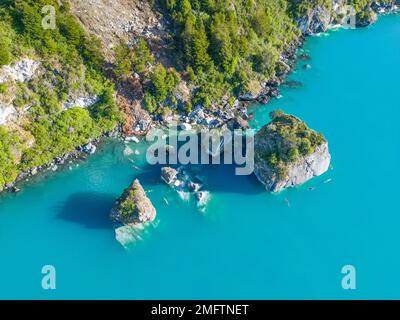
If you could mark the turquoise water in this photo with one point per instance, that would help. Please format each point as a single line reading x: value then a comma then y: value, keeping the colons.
x: 248, y: 244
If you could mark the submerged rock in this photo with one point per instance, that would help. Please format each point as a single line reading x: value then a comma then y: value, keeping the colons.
x: 194, y: 186
x: 202, y: 198
x: 128, y: 235
x: 132, y: 139
x: 134, y: 207
x: 288, y: 153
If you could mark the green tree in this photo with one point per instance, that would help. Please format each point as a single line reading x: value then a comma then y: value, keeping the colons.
x: 158, y: 83
x: 142, y: 56
x: 123, y: 60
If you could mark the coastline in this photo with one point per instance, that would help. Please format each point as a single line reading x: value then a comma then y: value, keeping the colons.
x: 61, y: 161
x: 271, y: 90
x: 62, y: 217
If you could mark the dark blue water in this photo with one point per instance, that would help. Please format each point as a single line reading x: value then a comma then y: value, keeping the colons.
x: 248, y: 243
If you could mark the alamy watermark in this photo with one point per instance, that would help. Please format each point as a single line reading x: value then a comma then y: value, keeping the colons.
x: 349, y: 16
x: 349, y: 279
x: 215, y: 146
x: 49, y: 20
x: 49, y: 277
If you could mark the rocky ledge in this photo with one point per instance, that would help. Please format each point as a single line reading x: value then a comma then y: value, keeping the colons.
x: 288, y: 153
x: 133, y: 207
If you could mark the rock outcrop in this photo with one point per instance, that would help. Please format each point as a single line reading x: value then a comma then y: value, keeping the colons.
x: 169, y: 175
x: 288, y: 153
x: 319, y: 17
x: 133, y: 207
x: 186, y: 184
x: 80, y: 102
x: 21, y: 71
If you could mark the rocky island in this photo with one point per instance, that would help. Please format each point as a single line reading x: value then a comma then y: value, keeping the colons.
x: 133, y: 207
x: 288, y: 153
x: 133, y: 212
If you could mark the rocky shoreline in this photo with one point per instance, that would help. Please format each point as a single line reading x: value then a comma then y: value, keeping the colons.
x: 67, y: 159
x: 234, y: 116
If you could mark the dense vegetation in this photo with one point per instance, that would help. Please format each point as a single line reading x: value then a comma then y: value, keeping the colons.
x: 234, y: 45
x: 71, y: 62
x: 288, y: 139
x: 222, y: 48
x: 159, y: 82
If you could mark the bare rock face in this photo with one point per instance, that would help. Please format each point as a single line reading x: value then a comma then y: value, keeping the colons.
x: 112, y: 20
x: 80, y: 102
x: 7, y: 112
x: 22, y: 71
x: 316, y: 21
x: 134, y: 207
x: 298, y: 173
x: 288, y: 153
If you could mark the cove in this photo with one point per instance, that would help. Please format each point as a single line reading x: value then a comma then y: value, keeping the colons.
x: 248, y: 243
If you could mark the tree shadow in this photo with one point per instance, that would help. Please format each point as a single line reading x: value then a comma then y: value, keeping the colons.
x: 90, y: 209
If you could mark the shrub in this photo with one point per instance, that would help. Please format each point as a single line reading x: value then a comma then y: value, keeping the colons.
x: 5, y: 54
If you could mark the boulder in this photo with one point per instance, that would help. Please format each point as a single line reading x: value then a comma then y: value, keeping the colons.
x: 80, y: 102
x: 194, y: 186
x: 89, y: 148
x: 169, y: 175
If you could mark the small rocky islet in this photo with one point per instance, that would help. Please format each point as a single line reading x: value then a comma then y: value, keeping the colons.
x: 132, y: 212
x: 288, y: 153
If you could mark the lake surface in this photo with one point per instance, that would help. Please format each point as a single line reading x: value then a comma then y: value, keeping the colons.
x: 248, y: 243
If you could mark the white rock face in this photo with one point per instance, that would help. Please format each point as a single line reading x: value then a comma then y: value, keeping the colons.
x: 7, y: 112
x: 81, y: 102
x: 22, y: 71
x: 300, y: 172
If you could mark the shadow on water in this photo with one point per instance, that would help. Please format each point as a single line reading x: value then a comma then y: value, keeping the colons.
x: 90, y: 209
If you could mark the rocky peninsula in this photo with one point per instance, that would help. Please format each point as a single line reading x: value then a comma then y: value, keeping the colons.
x: 288, y: 153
